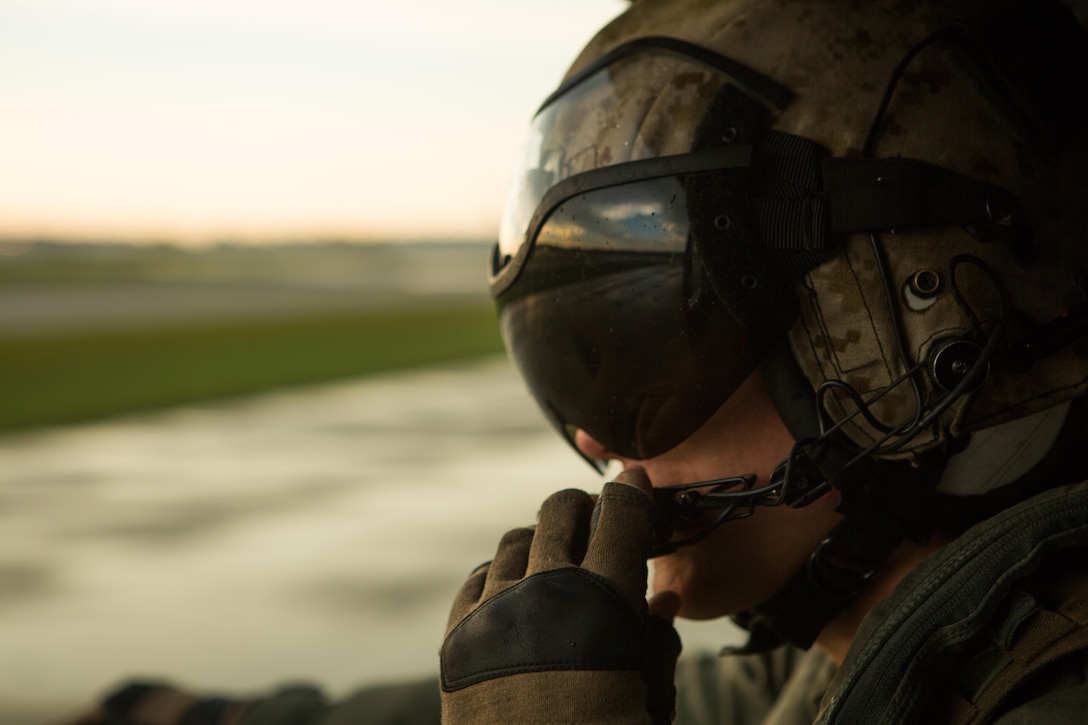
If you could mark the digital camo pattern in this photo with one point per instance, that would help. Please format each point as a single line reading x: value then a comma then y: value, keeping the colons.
x: 941, y: 112
x: 845, y: 332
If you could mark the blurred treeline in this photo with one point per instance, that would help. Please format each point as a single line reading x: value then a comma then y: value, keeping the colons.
x: 88, y: 330
x: 323, y: 264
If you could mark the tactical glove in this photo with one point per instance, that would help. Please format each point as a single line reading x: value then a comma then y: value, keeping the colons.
x: 556, y: 629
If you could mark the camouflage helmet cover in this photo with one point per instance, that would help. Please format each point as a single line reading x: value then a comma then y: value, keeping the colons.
x: 838, y: 56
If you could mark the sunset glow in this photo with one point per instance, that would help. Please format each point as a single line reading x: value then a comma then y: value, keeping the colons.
x: 208, y: 120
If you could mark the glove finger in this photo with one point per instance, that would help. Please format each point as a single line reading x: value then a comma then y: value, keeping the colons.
x: 469, y: 595
x: 562, y: 531
x: 659, y: 669
x: 665, y: 605
x: 620, y: 535
x: 510, y: 561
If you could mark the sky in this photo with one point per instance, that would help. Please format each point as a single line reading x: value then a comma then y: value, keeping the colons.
x: 198, y: 121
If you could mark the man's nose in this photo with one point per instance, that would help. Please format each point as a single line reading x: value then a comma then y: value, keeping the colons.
x: 590, y: 448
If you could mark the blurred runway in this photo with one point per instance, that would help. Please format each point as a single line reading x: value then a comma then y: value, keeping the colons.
x: 316, y: 534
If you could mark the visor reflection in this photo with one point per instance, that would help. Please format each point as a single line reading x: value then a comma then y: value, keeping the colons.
x: 604, y: 121
x: 615, y: 326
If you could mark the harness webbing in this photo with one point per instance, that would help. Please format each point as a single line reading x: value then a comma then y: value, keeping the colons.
x: 1053, y: 625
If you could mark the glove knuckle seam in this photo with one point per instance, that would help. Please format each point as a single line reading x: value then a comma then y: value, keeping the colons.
x: 460, y: 683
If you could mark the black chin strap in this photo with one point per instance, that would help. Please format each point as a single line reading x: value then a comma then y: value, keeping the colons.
x: 882, y: 505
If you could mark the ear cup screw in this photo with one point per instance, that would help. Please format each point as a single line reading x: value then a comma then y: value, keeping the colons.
x: 954, y: 360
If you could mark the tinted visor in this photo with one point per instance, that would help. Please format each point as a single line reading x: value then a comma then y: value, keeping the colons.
x: 616, y: 329
x: 627, y: 277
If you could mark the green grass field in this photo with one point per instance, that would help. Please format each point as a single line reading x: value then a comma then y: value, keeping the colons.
x: 63, y: 379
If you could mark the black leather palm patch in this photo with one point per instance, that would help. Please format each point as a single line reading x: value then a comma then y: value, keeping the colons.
x: 564, y: 619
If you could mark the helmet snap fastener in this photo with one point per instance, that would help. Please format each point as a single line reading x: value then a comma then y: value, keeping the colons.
x: 921, y: 290
x: 729, y: 134
x: 925, y: 282
x: 749, y: 282
x: 722, y: 221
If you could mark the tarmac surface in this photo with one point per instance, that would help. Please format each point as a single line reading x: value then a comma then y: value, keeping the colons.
x: 316, y: 534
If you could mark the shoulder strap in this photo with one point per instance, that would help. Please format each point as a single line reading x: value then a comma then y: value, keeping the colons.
x: 1037, y: 631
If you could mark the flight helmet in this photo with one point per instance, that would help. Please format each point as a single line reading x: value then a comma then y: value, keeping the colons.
x: 880, y: 205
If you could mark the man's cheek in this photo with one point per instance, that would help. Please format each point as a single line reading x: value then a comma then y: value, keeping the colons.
x: 667, y: 573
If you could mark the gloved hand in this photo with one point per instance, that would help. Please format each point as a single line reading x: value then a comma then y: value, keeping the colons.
x: 556, y: 629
